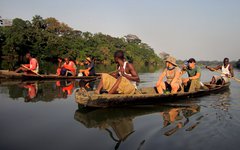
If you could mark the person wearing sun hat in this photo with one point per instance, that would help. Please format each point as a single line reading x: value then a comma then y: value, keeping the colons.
x: 173, y: 74
x: 192, y: 82
x: 90, y: 68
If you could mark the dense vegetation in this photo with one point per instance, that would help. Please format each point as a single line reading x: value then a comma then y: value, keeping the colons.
x: 47, y: 39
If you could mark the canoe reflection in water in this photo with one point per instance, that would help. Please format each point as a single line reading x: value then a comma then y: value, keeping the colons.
x: 119, y: 122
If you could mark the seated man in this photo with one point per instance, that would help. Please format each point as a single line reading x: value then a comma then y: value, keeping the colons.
x: 90, y: 70
x: 68, y: 68
x: 227, y: 73
x: 192, y: 83
x: 123, y: 81
x: 31, y: 68
x: 173, y: 75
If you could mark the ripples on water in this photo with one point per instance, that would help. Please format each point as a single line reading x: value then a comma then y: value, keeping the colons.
x: 44, y: 115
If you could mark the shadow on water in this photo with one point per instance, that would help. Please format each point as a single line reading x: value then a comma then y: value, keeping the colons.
x: 119, y: 122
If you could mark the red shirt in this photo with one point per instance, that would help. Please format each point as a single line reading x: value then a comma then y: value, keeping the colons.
x: 70, y: 66
x: 33, y: 64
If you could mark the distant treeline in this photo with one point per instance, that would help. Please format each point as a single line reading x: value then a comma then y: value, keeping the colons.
x: 47, y: 39
x: 236, y: 64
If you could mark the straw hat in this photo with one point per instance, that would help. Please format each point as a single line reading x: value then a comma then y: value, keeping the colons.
x: 172, y: 60
x: 88, y: 59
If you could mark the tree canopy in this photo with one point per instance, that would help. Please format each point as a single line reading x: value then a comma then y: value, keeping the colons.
x: 48, y: 39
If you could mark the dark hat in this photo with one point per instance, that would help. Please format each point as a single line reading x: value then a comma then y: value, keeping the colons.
x: 191, y: 60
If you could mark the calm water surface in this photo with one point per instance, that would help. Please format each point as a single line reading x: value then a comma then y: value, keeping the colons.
x: 44, y: 115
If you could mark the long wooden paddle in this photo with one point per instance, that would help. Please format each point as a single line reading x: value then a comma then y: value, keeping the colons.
x: 234, y: 78
x: 31, y: 71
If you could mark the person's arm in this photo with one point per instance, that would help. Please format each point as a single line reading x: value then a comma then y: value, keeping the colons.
x: 26, y: 65
x: 231, y: 70
x: 213, y: 68
x: 87, y: 71
x: 90, y: 66
x: 133, y: 72
x: 59, y: 62
x: 160, y: 79
x: 176, y: 76
x: 114, y: 74
x: 197, y: 76
x: 185, y: 80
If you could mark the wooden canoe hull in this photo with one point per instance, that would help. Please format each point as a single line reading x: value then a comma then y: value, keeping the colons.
x: 5, y: 74
x: 116, y: 100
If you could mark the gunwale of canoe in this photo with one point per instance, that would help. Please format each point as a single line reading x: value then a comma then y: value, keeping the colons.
x: 116, y: 100
x: 5, y: 74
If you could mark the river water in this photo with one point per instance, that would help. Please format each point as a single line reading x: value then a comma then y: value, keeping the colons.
x: 44, y: 115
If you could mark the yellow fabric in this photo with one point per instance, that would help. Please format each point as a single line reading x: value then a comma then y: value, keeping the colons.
x: 125, y: 86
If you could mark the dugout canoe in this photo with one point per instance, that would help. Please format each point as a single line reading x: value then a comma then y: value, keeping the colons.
x: 5, y: 74
x: 145, y: 96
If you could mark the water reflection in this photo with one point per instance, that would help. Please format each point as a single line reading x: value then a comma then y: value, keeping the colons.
x: 34, y: 91
x: 88, y: 85
x: 119, y: 122
x: 65, y: 88
x: 223, y: 101
x: 178, y: 118
x: 221, y: 106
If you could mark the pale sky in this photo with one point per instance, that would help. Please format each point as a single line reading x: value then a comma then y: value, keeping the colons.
x: 203, y: 29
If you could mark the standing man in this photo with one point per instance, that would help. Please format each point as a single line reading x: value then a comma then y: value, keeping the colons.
x: 227, y: 72
x: 192, y: 83
x: 31, y: 68
x: 123, y: 81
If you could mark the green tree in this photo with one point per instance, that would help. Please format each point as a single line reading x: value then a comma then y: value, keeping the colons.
x: 48, y: 39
